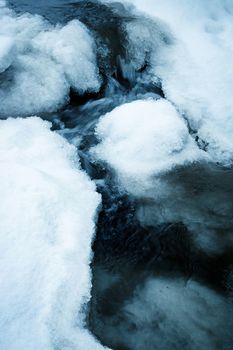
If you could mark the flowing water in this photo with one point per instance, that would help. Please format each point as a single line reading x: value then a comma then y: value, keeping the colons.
x: 161, y: 269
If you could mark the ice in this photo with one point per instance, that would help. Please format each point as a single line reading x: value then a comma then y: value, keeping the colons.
x: 48, y: 210
x: 43, y: 62
x: 143, y: 139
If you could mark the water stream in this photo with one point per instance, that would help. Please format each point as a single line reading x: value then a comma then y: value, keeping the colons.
x: 136, y: 254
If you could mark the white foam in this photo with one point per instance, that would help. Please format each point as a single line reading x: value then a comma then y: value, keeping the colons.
x: 48, y: 208
x: 46, y: 62
x: 143, y: 139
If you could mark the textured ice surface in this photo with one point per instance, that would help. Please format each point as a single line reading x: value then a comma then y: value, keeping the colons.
x: 48, y: 208
x: 143, y: 139
x: 43, y: 63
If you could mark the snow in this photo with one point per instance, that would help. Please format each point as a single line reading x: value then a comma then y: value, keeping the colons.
x: 48, y: 205
x: 189, y: 48
x: 48, y: 209
x: 44, y: 62
x: 71, y: 47
x: 6, y: 52
x: 144, y: 138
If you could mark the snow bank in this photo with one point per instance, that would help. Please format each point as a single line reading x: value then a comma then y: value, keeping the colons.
x: 47, y: 209
x: 143, y: 139
x: 43, y: 63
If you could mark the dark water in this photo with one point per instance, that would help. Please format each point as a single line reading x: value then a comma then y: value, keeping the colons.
x: 131, y: 247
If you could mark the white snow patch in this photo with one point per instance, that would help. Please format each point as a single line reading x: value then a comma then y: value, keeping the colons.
x: 48, y: 208
x: 143, y: 139
x: 72, y: 48
x: 46, y: 62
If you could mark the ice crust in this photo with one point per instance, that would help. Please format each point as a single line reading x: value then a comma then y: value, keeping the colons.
x: 39, y: 63
x: 48, y: 208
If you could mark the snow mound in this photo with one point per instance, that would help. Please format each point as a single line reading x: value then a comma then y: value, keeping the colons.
x: 43, y: 63
x: 145, y: 138
x: 48, y: 208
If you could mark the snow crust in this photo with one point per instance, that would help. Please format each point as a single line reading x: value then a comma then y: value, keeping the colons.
x: 142, y: 139
x: 48, y: 209
x: 39, y: 63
